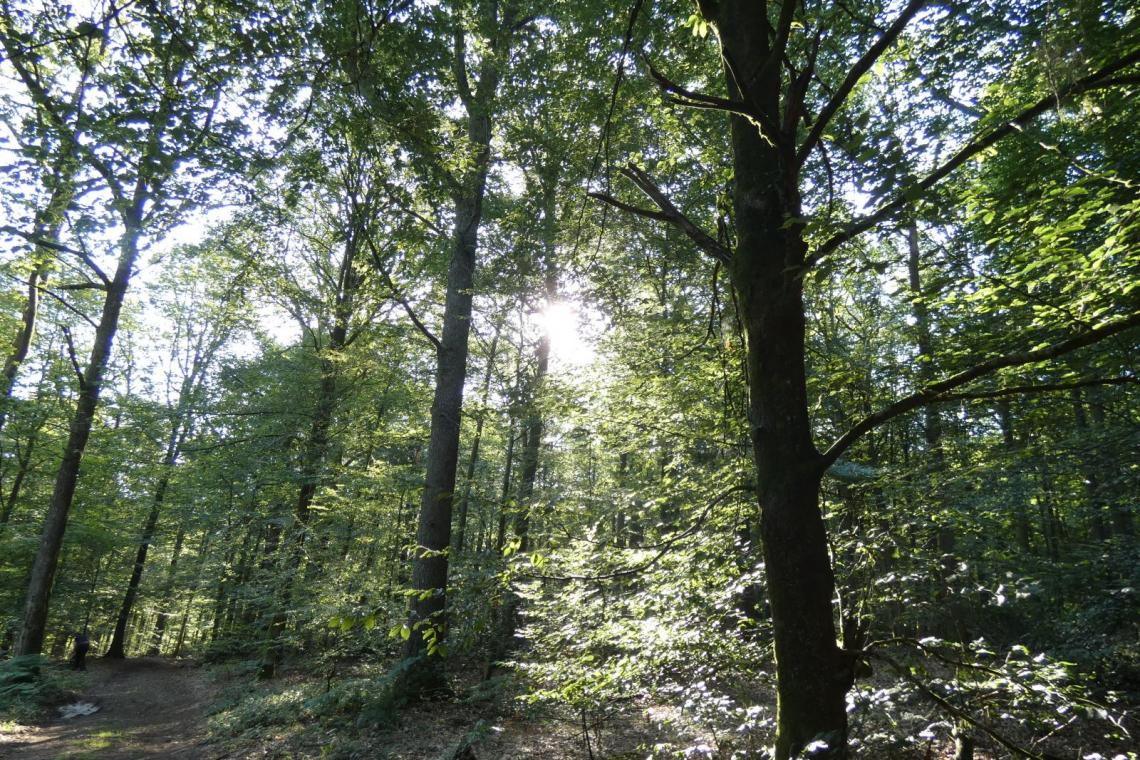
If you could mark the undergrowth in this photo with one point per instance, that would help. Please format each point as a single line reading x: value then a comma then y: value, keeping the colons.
x: 31, y: 684
x: 302, y: 706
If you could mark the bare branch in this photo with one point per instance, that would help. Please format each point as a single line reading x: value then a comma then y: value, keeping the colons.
x: 1097, y: 80
x: 668, y: 213
x: 378, y: 262
x: 861, y: 67
x: 74, y: 359
x: 691, y: 99
x: 937, y: 392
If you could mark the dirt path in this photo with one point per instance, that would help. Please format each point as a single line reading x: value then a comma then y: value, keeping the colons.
x: 149, y: 708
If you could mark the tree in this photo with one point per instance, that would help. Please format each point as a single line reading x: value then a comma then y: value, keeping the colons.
x: 159, y: 116
x: 780, y: 113
x: 496, y: 27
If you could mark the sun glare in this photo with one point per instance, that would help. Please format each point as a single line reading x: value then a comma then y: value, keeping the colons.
x: 566, y: 323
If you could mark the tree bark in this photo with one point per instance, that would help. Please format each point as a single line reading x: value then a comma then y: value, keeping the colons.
x: 47, y: 224
x: 1022, y: 528
x: 433, y: 532
x: 155, y: 648
x: 117, y: 649
x: 1093, y: 481
x: 23, y: 467
x: 534, y: 425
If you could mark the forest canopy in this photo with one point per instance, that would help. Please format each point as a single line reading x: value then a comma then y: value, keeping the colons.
x: 719, y: 379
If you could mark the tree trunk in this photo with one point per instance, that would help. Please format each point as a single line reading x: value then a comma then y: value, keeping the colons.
x: 117, y: 649
x: 1093, y: 487
x: 23, y: 340
x: 164, y: 614
x: 180, y: 429
x: 505, y: 497
x: 316, y: 450
x: 534, y: 425
x: 433, y: 533
x: 55, y: 523
x: 23, y: 467
x: 46, y: 228
x: 813, y: 674
x: 1122, y: 523
x: 1021, y: 526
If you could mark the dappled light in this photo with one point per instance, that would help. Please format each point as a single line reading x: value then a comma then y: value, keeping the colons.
x: 470, y: 379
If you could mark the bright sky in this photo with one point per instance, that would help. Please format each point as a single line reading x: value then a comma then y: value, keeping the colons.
x: 573, y: 330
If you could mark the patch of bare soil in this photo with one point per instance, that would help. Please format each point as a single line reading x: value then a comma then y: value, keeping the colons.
x: 148, y: 708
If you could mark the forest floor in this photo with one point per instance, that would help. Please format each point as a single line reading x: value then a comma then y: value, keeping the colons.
x: 155, y: 708
x: 148, y: 708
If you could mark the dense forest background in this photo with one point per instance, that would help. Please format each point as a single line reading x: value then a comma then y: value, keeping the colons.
x: 599, y: 365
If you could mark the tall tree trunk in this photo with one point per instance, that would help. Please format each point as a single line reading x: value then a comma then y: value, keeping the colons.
x: 433, y: 533
x: 23, y: 467
x: 117, y: 649
x: 1093, y: 480
x: 55, y: 523
x: 47, y: 224
x: 1119, y: 509
x: 1022, y: 528
x: 505, y: 495
x: 813, y: 674
x: 316, y: 450
x: 180, y: 428
x: 533, y: 424
x: 23, y: 339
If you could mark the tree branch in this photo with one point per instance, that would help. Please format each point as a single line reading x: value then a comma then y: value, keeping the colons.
x: 936, y: 392
x: 648, y: 213
x: 1096, y: 80
x: 63, y: 302
x: 783, y: 31
x: 691, y: 99
x: 1020, y: 390
x: 74, y: 359
x: 861, y: 67
x: 459, y: 68
x: 955, y: 711
x: 378, y: 262
x: 668, y: 213
x: 54, y: 246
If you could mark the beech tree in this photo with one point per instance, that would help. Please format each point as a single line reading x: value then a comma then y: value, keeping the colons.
x: 782, y: 100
